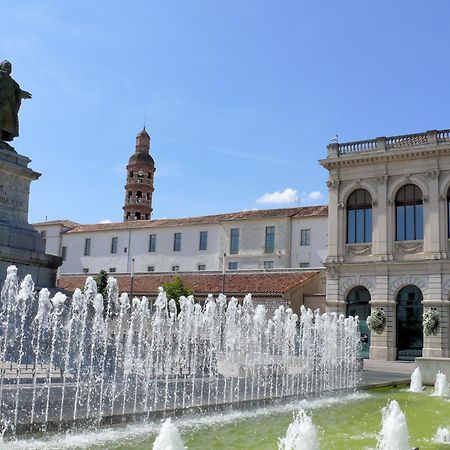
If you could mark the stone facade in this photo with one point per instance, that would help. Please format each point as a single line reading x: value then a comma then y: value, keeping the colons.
x: 20, y: 243
x: 385, y: 263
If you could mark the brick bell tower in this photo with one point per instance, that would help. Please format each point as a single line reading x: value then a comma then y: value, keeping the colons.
x: 140, y: 176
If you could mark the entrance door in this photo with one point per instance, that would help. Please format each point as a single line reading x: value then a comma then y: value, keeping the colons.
x: 409, y: 323
x: 358, y: 305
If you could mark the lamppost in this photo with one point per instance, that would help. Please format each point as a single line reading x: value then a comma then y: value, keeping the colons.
x: 223, y: 273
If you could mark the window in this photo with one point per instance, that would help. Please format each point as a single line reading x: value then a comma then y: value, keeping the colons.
x: 176, y: 242
x: 448, y: 214
x: 150, y: 268
x: 112, y: 269
x: 175, y: 268
x: 232, y: 265
x: 63, y: 253
x: 85, y: 270
x: 114, y: 241
x: 201, y: 267
x: 270, y: 240
x: 87, y: 246
x: 137, y: 216
x: 125, y: 249
x: 203, y: 244
x: 409, y: 213
x: 268, y: 264
x: 303, y: 265
x: 234, y: 240
x: 152, y: 243
x: 44, y: 234
x: 305, y: 237
x: 359, y: 217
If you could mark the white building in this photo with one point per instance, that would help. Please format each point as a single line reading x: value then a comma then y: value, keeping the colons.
x: 388, y: 238
x: 263, y: 239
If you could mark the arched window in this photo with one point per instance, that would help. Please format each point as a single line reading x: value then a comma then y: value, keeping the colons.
x: 448, y: 213
x: 359, y: 217
x: 409, y: 213
x: 409, y: 323
x: 358, y: 305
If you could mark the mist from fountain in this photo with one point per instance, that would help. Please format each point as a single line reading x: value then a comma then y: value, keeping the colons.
x: 301, y: 434
x: 416, y: 381
x: 441, y: 387
x: 394, y: 429
x: 102, y: 360
x: 442, y: 436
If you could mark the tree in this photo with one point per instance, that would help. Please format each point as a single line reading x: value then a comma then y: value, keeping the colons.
x: 175, y: 289
x: 102, y: 281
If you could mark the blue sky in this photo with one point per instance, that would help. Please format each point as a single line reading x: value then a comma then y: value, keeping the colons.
x: 240, y: 97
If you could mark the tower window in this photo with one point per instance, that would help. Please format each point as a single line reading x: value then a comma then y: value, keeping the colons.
x: 137, y: 215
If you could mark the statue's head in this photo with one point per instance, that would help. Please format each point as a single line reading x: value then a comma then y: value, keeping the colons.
x: 6, y: 66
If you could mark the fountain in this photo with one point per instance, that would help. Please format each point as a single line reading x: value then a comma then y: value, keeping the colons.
x: 441, y: 388
x: 394, y: 430
x: 168, y: 438
x: 442, y: 436
x: 301, y: 434
x: 94, y: 360
x: 416, y: 381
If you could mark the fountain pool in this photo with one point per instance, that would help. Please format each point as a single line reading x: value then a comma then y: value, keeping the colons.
x: 345, y: 421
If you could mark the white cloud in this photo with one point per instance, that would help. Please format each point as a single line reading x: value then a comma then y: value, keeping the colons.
x: 308, y: 198
x: 105, y: 221
x: 280, y: 198
x: 314, y: 195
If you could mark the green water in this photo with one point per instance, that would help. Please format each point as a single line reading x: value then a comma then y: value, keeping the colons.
x: 344, y: 422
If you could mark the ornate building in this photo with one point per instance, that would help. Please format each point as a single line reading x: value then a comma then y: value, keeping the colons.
x: 388, y: 238
x: 139, y: 185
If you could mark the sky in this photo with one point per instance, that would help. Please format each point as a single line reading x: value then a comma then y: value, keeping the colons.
x: 240, y: 97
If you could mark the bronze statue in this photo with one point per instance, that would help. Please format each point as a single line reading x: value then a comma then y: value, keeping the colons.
x: 10, y: 99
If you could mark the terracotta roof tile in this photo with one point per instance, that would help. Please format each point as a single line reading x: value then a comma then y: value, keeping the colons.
x: 65, y: 222
x: 235, y: 283
x: 305, y: 211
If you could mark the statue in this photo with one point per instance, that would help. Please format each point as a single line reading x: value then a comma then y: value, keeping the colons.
x: 10, y: 99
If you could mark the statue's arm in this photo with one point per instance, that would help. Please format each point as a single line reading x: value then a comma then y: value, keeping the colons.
x: 25, y: 94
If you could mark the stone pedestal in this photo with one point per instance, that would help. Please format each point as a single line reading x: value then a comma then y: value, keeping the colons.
x: 20, y: 243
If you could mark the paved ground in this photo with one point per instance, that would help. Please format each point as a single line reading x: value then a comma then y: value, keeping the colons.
x: 379, y: 373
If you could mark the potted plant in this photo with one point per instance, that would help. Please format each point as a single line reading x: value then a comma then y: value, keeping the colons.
x: 431, y: 322
x: 377, y: 321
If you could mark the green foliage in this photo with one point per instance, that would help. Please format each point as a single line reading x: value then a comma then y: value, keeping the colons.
x: 431, y: 322
x: 102, y: 281
x: 175, y: 289
x: 377, y: 321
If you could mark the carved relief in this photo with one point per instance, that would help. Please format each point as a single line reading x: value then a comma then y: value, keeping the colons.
x: 332, y: 272
x: 332, y: 184
x: 382, y: 179
x: 359, y: 249
x: 433, y: 174
x: 409, y: 248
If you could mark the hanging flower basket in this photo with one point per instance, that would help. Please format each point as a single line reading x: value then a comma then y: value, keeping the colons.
x: 377, y: 321
x: 431, y: 322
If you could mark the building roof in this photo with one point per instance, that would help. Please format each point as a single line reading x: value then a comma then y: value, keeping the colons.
x: 305, y: 211
x: 64, y: 222
x: 268, y: 283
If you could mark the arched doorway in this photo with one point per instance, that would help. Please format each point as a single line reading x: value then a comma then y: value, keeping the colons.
x: 358, y: 305
x: 409, y: 323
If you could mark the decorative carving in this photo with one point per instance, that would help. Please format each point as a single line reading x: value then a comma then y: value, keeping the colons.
x: 332, y: 272
x: 374, y: 203
x: 341, y: 205
x: 408, y: 178
x: 359, y: 249
x: 433, y: 174
x: 442, y: 197
x: 409, y: 248
x: 332, y: 184
x: 390, y: 202
x: 358, y: 183
x: 382, y: 179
